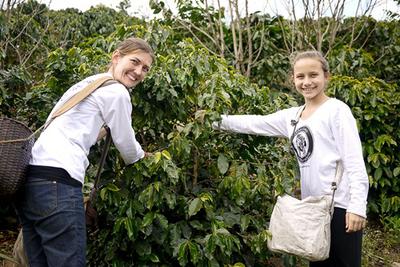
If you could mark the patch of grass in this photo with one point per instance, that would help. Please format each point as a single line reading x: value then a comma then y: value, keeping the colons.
x: 7, y: 240
x: 381, y: 245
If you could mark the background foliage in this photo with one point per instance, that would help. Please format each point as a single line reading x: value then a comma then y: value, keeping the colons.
x: 205, y: 197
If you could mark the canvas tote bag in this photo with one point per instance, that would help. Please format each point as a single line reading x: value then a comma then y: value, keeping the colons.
x: 302, y: 227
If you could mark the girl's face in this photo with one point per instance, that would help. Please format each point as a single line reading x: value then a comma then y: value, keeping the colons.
x: 309, y: 79
x: 130, y: 69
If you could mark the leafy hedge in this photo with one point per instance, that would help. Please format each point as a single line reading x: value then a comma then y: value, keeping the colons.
x: 375, y: 104
x: 204, y: 199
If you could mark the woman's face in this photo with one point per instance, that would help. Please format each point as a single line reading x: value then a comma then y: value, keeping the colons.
x: 310, y: 79
x: 132, y: 68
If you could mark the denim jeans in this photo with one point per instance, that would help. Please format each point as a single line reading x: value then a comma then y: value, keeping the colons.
x: 53, y: 222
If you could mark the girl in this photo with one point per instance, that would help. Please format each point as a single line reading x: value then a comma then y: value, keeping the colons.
x: 51, y: 209
x: 326, y: 132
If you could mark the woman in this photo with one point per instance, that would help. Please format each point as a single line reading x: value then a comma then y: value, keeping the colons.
x: 51, y: 211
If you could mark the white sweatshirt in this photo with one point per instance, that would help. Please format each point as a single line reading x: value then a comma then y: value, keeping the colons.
x: 329, y: 135
x: 66, y: 142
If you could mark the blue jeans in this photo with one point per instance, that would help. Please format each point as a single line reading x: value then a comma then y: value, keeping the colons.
x: 53, y: 223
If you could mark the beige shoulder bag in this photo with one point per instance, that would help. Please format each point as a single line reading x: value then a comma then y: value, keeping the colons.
x: 302, y: 227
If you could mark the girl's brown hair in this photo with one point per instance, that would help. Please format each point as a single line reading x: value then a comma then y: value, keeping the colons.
x: 310, y: 54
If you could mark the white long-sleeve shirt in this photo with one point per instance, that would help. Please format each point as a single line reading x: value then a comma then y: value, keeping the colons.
x: 329, y: 135
x: 66, y: 142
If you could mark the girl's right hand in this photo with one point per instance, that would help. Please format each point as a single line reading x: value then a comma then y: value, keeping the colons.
x: 354, y: 222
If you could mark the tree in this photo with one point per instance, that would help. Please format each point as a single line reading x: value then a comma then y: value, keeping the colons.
x: 317, y: 28
x: 207, y: 25
x: 204, y: 198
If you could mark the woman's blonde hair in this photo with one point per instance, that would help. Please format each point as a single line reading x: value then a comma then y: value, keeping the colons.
x: 133, y: 44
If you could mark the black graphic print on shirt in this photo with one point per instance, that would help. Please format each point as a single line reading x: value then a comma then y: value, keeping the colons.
x: 303, y: 143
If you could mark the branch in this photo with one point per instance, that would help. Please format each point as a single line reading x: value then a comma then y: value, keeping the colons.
x: 195, y: 166
x: 195, y: 36
x: 211, y: 23
x: 221, y: 30
x: 284, y: 35
x: 249, y: 41
x: 240, y: 33
x: 294, y: 23
x: 369, y: 9
x: 261, y: 44
x: 27, y: 57
x: 235, y: 49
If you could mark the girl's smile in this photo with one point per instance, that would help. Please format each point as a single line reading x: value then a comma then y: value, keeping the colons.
x: 310, y: 80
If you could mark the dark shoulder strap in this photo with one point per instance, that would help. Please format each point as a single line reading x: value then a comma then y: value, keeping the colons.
x: 103, y: 156
x: 295, y: 121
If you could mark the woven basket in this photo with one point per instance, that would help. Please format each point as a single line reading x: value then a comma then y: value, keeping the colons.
x: 14, y: 156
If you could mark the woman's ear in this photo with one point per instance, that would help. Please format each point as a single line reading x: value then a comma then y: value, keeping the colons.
x: 115, y: 57
x: 327, y: 75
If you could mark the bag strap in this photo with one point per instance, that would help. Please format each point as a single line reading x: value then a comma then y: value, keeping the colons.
x: 336, y: 181
x: 339, y: 165
x: 102, y: 161
x: 104, y: 152
x: 295, y: 122
x: 78, y: 97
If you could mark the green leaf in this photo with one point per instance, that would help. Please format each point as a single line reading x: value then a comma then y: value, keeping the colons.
x: 199, y: 115
x: 162, y: 220
x: 182, y: 254
x: 157, y: 186
x: 148, y: 219
x: 103, y: 193
x: 195, y: 224
x: 194, y: 252
x: 154, y: 258
x: 118, y: 224
x: 166, y: 154
x: 112, y: 187
x: 129, y: 227
x: 223, y: 164
x: 143, y: 248
x: 194, y: 207
x: 157, y: 157
x: 244, y: 222
x: 206, y: 197
x: 378, y: 173
x: 396, y: 171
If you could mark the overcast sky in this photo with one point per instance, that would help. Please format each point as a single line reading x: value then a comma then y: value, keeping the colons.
x: 140, y: 8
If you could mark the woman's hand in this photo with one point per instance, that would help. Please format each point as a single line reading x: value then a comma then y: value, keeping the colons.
x: 354, y: 222
x: 147, y: 154
x: 102, y: 133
